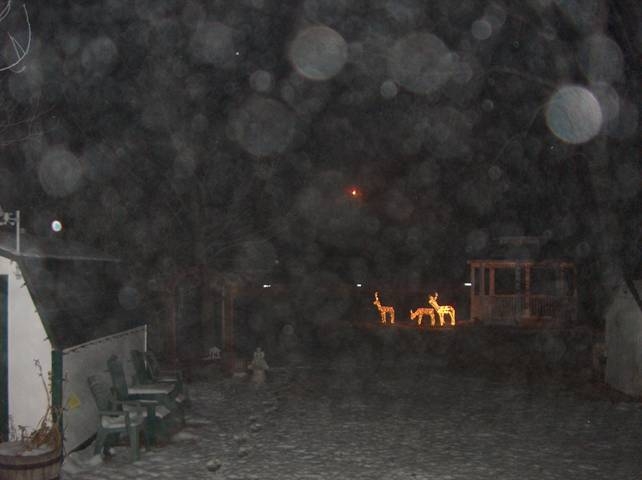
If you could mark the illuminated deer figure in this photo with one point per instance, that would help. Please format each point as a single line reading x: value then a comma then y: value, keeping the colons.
x: 442, y: 309
x: 384, y: 310
x: 419, y: 314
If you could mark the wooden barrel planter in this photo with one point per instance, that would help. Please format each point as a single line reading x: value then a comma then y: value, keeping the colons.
x: 36, y: 466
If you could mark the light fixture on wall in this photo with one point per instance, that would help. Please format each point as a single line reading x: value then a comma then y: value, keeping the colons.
x: 12, y: 218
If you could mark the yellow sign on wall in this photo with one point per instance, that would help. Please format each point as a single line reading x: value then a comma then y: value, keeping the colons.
x: 73, y: 402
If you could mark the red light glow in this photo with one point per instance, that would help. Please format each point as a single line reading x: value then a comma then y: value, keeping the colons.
x: 353, y: 191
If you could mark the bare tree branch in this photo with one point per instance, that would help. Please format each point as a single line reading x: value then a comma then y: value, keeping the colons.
x: 21, y: 52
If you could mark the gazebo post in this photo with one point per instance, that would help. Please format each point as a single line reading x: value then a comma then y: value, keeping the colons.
x: 170, y: 345
x: 527, y: 290
x: 491, y: 277
x: 227, y: 328
x: 559, y: 288
x: 519, y: 307
x: 473, y: 310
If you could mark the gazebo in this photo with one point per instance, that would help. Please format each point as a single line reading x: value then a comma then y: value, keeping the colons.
x: 516, y: 286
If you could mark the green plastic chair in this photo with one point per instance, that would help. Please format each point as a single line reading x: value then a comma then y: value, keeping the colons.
x: 157, y: 372
x: 115, y: 418
x: 148, y: 372
x: 159, y: 399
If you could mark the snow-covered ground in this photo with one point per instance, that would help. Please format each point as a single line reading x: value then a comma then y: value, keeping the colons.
x: 406, y: 421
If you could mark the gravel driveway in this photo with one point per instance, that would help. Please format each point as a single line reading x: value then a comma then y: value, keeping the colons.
x: 405, y: 421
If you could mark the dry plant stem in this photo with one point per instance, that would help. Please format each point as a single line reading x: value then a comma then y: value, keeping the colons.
x: 44, y: 433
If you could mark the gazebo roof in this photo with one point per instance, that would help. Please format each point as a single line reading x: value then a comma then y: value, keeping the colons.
x: 523, y: 249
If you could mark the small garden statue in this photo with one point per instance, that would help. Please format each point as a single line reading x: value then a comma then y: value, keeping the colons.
x: 258, y: 366
x: 214, y: 353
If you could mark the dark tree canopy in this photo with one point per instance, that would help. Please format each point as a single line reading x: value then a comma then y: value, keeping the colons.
x: 228, y: 133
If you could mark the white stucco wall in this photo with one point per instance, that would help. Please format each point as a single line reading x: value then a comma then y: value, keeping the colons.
x: 90, y: 358
x: 27, y: 341
x: 623, y: 337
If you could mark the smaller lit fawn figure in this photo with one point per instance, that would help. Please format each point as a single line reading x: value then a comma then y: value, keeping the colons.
x: 442, y: 309
x: 419, y: 315
x: 384, y: 310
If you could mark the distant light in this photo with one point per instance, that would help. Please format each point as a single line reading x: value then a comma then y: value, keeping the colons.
x: 237, y: 53
x: 468, y: 284
x: 359, y: 285
x: 266, y: 285
x: 354, y: 191
x: 56, y: 226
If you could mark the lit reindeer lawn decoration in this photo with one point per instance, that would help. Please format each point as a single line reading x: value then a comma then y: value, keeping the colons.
x: 384, y: 310
x: 442, y: 310
x: 419, y: 315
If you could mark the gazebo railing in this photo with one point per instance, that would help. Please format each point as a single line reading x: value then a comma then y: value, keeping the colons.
x: 559, y: 308
x: 506, y: 306
x: 511, y: 309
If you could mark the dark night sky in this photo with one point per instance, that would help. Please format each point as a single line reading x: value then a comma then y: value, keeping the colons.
x: 227, y: 132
